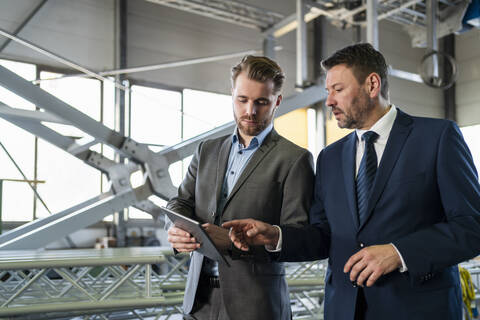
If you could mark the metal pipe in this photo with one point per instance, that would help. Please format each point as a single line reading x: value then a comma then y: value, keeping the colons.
x: 172, y: 64
x: 148, y: 280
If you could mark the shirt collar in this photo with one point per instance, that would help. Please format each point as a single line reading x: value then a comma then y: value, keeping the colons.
x: 258, y: 139
x: 383, y: 126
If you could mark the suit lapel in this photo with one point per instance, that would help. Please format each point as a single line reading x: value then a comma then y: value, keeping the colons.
x: 348, y: 157
x: 267, y: 145
x: 400, y: 131
x: 222, y: 165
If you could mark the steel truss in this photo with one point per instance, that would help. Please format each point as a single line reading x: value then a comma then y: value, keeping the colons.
x: 154, y: 166
x: 123, y: 283
x: 412, y: 14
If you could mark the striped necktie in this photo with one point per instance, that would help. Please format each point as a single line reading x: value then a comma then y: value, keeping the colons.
x: 366, y: 174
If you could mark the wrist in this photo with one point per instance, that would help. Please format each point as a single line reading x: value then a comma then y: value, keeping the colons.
x: 275, y: 235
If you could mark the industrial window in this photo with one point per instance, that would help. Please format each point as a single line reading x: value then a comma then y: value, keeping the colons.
x: 471, y: 134
x: 17, y: 197
x: 155, y: 120
x: 68, y: 180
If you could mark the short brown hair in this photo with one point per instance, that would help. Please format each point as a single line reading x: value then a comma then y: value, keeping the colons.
x: 260, y: 69
x: 363, y: 59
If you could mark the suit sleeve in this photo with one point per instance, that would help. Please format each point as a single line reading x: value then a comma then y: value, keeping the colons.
x: 457, y: 237
x: 311, y: 242
x: 297, y: 192
x: 296, y: 201
x: 184, y: 201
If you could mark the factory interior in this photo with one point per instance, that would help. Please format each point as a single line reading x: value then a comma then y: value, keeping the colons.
x: 103, y: 104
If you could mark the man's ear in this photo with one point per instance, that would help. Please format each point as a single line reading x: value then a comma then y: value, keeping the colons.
x: 373, y: 85
x: 279, y: 100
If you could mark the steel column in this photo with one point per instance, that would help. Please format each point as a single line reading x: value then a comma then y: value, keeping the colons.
x: 301, y: 45
x: 432, y: 43
x: 449, y: 94
x: 269, y: 46
x: 372, y: 23
x: 120, y: 62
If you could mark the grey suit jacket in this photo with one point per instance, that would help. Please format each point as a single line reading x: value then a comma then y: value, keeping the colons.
x: 276, y: 186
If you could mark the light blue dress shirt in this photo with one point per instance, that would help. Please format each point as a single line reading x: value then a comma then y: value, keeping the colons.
x: 237, y: 161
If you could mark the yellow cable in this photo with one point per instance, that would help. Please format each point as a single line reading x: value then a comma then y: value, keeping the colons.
x: 468, y: 291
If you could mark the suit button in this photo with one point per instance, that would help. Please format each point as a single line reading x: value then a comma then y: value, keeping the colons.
x: 361, y: 244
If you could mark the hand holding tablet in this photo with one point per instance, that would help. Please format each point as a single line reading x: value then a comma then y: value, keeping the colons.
x: 194, y: 228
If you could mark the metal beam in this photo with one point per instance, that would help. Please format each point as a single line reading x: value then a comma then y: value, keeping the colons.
x: 405, y: 75
x: 166, y: 65
x: 228, y: 11
x: 28, y: 115
x: 120, y: 62
x: 40, y: 223
x: 47, y: 101
x: 39, y: 237
x: 401, y: 8
x: 24, y: 23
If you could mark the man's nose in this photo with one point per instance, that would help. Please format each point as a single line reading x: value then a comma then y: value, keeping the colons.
x: 251, y: 109
x: 330, y: 101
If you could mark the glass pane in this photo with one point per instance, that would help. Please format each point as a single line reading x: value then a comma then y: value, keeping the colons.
x: 471, y: 134
x: 156, y: 117
x: 69, y: 180
x: 204, y: 111
x: 156, y: 121
x: 17, y: 197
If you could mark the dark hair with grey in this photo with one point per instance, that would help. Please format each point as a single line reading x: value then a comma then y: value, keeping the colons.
x: 260, y: 69
x: 363, y: 59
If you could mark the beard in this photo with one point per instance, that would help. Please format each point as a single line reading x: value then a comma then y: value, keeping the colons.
x: 252, y: 130
x: 357, y: 113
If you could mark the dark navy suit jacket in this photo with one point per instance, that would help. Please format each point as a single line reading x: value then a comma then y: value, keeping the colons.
x: 425, y: 200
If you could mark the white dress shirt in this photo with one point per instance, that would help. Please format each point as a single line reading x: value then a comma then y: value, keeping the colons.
x: 382, y: 127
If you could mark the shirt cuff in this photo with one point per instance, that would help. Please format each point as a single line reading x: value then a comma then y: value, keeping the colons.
x: 403, y: 268
x: 278, y: 248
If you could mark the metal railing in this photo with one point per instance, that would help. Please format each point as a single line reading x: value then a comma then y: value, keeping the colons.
x: 120, y: 283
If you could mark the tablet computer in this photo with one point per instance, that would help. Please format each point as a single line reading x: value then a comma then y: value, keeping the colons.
x: 207, y: 246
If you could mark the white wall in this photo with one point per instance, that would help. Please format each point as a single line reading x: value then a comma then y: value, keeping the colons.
x: 467, y: 51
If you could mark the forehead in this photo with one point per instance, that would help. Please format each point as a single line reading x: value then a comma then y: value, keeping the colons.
x: 339, y: 74
x: 249, y: 87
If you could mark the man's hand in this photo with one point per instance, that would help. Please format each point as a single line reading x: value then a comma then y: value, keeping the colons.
x: 181, y: 240
x: 218, y: 235
x: 247, y: 232
x: 372, y: 262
